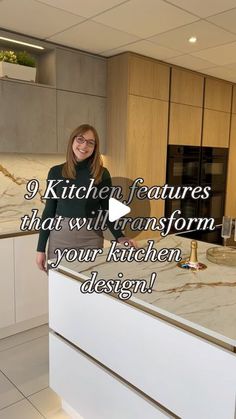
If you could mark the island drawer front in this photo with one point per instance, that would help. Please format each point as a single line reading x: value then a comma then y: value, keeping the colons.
x: 191, y: 377
x: 92, y: 391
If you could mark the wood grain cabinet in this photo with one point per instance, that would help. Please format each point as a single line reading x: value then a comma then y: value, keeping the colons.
x: 185, y: 124
x: 230, y: 207
x: 186, y: 87
x: 218, y: 95
x: 74, y: 109
x: 79, y: 72
x: 234, y: 100
x: 216, y: 127
x: 27, y: 118
x: 147, y: 134
x: 148, y: 78
x: 7, y: 309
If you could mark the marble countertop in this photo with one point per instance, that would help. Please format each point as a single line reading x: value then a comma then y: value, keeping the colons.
x: 12, y: 229
x: 202, y: 302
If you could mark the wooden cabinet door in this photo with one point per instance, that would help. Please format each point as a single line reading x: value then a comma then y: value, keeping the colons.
x: 7, y: 311
x: 79, y: 72
x: 74, y: 109
x: 185, y: 124
x: 230, y: 207
x: 186, y: 87
x: 148, y: 78
x: 31, y: 284
x: 147, y: 146
x: 218, y: 95
x: 28, y: 118
x: 216, y: 128
x: 234, y: 100
x: 147, y: 139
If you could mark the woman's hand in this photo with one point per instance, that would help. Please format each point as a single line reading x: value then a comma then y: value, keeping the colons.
x: 41, y: 261
x: 130, y: 241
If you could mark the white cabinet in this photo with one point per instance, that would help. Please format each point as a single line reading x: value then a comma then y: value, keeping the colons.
x: 31, y: 284
x: 7, y: 311
x: 23, y: 287
x: 92, y: 391
x: 186, y: 374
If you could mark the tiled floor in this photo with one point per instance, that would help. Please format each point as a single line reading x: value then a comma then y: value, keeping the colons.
x: 24, y: 390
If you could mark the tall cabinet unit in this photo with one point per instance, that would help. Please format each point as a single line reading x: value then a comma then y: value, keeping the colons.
x: 138, y: 95
x: 230, y: 208
x: 186, y: 104
x: 217, y: 108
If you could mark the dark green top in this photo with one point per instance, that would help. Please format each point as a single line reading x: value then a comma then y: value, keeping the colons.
x: 72, y: 208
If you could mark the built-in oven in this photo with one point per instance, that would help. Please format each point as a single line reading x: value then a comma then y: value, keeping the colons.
x: 183, y: 165
x: 197, y: 166
x: 214, y: 167
x: 213, y: 206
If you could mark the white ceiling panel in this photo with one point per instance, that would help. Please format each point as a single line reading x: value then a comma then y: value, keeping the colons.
x: 145, y: 48
x: 222, y: 55
x: 85, y: 8
x: 93, y: 37
x: 33, y: 18
x: 226, y: 20
x: 204, y: 8
x: 145, y: 18
x: 222, y: 72
x: 208, y: 35
x: 191, y: 62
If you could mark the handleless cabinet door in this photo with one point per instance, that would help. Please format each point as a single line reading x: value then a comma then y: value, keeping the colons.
x: 216, y: 128
x: 147, y: 147
x: 7, y: 312
x: 148, y: 78
x: 185, y: 124
x: 234, y: 100
x: 28, y: 118
x: 74, y: 109
x: 218, y: 95
x: 186, y: 87
x: 230, y: 208
x: 80, y: 72
x: 31, y: 284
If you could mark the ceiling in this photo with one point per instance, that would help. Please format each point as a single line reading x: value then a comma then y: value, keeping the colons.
x: 156, y: 28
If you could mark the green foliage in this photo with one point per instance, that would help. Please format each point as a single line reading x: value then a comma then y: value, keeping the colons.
x: 8, y: 56
x: 21, y: 57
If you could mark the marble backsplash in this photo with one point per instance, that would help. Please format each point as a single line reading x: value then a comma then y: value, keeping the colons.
x: 15, y: 171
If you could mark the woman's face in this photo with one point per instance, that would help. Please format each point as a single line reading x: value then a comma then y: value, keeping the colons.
x: 83, y: 145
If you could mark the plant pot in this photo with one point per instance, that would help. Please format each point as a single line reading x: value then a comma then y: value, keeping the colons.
x: 16, y: 71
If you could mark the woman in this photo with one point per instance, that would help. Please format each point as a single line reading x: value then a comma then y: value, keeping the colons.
x: 83, y: 162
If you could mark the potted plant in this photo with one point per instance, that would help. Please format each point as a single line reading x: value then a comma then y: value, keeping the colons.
x: 17, y: 65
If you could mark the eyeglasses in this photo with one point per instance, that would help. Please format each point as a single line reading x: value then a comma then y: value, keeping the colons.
x: 81, y: 140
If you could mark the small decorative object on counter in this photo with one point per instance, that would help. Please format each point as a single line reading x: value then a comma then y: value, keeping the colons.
x: 192, y: 262
x: 222, y: 255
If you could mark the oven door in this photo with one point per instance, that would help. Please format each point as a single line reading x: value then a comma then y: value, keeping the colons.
x: 183, y: 165
x: 213, y: 206
x: 187, y: 206
x: 214, y: 167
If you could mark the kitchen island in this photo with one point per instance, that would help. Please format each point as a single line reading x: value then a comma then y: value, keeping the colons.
x: 175, y: 346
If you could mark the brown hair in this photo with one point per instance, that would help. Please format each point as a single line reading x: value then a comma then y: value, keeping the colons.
x: 96, y: 163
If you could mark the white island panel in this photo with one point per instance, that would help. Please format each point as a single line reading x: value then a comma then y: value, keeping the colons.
x: 191, y: 377
x: 92, y: 391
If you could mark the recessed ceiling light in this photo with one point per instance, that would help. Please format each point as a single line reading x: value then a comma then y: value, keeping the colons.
x: 192, y: 39
x: 20, y: 42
